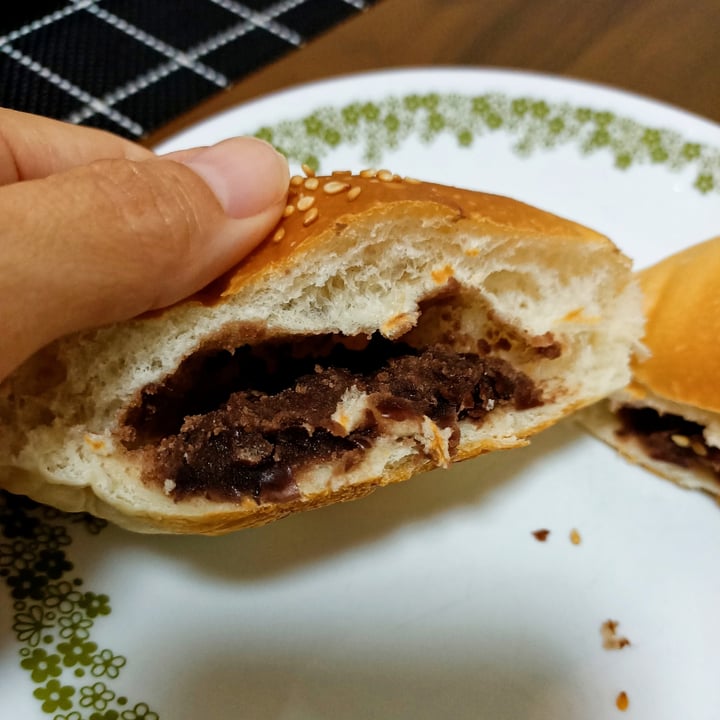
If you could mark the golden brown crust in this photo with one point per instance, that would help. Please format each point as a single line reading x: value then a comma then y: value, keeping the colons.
x: 682, y: 306
x: 317, y: 205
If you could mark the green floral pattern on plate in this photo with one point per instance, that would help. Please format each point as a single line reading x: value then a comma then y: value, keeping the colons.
x: 53, y: 617
x: 535, y: 124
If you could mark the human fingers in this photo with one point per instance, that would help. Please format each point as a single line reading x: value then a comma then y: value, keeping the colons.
x: 34, y: 147
x: 115, y: 238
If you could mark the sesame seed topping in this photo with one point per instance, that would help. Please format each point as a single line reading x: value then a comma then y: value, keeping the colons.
x: 353, y: 193
x: 575, y: 537
x: 288, y: 211
x: 412, y: 181
x: 296, y: 180
x: 680, y: 440
x: 312, y: 183
x: 334, y: 187
x: 311, y: 217
x: 308, y: 170
x: 279, y: 235
x: 699, y: 448
x: 369, y: 173
x: 385, y: 176
x: 305, y: 202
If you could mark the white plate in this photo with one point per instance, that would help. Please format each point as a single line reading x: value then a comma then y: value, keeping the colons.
x: 430, y: 599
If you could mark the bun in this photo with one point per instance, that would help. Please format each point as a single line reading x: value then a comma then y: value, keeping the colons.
x: 387, y: 326
x: 668, y: 418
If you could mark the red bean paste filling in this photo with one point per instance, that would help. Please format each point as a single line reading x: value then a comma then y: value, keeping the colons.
x: 655, y: 433
x: 233, y: 425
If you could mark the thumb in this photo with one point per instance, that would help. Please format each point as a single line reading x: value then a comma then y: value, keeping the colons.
x: 109, y: 240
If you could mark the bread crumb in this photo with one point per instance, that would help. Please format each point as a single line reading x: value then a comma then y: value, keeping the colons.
x: 611, y: 640
x: 621, y: 701
x: 575, y: 538
x: 541, y: 535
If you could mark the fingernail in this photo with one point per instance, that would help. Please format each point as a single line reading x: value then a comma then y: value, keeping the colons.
x: 246, y: 175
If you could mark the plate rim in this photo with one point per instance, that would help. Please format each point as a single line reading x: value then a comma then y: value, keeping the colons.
x: 556, y: 81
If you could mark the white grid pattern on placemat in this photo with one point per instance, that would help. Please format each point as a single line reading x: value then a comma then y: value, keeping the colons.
x: 179, y: 57
x: 265, y: 19
x: 175, y: 58
x: 94, y: 104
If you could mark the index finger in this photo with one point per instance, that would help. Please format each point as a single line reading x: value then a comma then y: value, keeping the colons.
x: 33, y: 147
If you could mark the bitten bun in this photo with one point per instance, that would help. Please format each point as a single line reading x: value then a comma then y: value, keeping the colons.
x: 385, y: 327
x: 668, y: 418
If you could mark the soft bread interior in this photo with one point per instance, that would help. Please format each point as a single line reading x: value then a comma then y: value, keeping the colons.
x: 667, y: 418
x: 553, y: 299
x: 686, y: 444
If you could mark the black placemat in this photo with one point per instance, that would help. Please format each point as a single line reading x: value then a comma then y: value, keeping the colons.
x: 130, y: 66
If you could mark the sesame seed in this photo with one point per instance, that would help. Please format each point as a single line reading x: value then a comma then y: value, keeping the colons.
x: 311, y: 217
x: 680, y: 440
x: 296, y: 180
x: 412, y: 181
x: 305, y: 203
x: 369, y: 173
x: 288, y: 211
x: 353, y: 193
x: 312, y: 183
x: 334, y: 187
x: 385, y: 176
x: 308, y: 170
x: 575, y: 537
x: 279, y: 235
x: 699, y: 448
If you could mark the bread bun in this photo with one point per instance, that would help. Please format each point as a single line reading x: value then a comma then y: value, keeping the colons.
x: 376, y: 296
x: 668, y: 418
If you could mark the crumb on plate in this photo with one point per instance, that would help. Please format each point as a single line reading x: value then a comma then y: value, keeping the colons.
x: 611, y: 640
x: 621, y: 701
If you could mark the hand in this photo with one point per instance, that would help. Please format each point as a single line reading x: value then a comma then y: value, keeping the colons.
x: 95, y: 229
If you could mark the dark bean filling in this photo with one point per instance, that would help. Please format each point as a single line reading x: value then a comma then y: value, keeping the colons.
x: 205, y: 381
x: 670, y: 438
x: 268, y: 411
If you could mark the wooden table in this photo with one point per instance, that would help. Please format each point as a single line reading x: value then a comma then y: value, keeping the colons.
x: 666, y: 49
